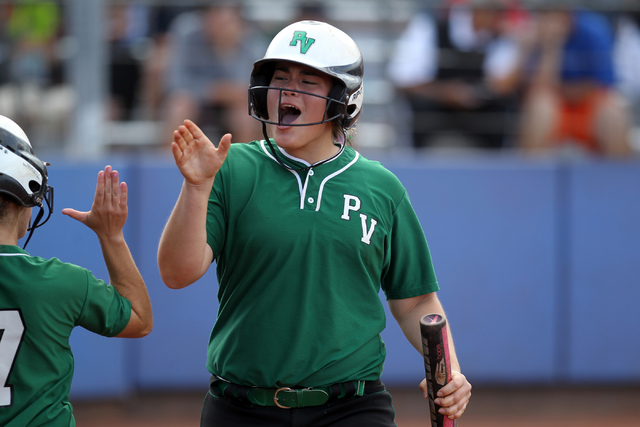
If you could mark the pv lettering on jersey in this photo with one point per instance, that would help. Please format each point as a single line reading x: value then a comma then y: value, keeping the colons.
x: 352, y: 203
x: 349, y: 207
x: 305, y: 42
x: 366, y: 234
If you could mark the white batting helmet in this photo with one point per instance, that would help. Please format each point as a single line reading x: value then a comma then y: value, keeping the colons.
x: 23, y: 177
x: 320, y: 46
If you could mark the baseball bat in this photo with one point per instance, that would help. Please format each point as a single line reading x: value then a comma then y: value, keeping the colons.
x: 437, y: 365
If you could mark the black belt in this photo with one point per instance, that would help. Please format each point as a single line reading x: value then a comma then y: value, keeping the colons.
x: 292, y: 397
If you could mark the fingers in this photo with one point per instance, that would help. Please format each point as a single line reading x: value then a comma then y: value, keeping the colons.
x: 98, y: 200
x: 108, y: 189
x: 109, y: 210
x: 114, y: 185
x: 180, y: 137
x: 182, y: 141
x: 189, y: 133
x: 195, y: 131
x: 454, y: 397
x: 178, y: 145
x: 225, y: 143
x: 77, y: 215
x: 124, y: 195
x: 425, y: 389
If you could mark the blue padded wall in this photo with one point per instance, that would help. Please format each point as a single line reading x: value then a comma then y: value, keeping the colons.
x: 491, y: 230
x: 604, y: 273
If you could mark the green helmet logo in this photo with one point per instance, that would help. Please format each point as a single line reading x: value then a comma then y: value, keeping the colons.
x: 305, y: 42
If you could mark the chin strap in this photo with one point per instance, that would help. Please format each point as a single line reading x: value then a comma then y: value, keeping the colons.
x: 32, y: 228
x: 284, y: 165
x: 36, y: 223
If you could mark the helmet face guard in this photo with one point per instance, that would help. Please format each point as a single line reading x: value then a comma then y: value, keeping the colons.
x: 331, y: 112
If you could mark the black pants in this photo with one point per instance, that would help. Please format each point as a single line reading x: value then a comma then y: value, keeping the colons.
x: 372, y: 410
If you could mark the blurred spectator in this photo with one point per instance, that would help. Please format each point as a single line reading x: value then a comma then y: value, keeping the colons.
x: 311, y: 10
x: 627, y: 55
x: 35, y: 92
x: 452, y: 66
x: 571, y: 102
x: 127, y: 34
x: 5, y: 43
x: 211, y: 56
x: 154, y: 69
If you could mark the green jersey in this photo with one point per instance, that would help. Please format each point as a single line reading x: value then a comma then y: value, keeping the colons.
x: 301, y: 257
x: 41, y: 301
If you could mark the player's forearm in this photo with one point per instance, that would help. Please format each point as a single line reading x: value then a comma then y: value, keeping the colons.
x: 126, y: 278
x: 182, y: 251
x: 408, y: 313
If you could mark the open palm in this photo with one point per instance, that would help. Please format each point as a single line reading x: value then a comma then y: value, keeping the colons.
x: 109, y: 210
x: 196, y: 157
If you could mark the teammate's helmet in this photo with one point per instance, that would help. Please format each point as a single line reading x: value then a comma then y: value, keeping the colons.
x: 23, y: 176
x: 320, y: 46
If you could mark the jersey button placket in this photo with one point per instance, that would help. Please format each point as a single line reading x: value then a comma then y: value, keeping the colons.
x: 312, y: 188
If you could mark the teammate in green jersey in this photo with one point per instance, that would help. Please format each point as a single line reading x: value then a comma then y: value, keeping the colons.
x: 42, y: 300
x: 304, y: 232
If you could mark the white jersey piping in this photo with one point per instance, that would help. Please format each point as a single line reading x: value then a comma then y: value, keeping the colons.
x: 303, y: 188
x: 338, y: 172
x: 300, y: 188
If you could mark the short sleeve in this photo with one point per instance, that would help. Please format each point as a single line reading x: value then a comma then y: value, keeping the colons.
x: 216, y: 218
x: 409, y: 271
x: 105, y: 311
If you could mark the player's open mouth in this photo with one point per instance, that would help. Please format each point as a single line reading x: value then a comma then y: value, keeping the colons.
x: 288, y: 114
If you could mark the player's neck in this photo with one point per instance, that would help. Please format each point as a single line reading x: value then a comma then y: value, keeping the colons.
x: 8, y: 237
x: 314, y: 155
x: 315, y: 149
x: 11, y: 224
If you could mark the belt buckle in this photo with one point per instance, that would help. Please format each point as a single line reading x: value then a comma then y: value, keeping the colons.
x: 275, y: 397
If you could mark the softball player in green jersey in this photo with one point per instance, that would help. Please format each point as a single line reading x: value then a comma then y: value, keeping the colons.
x: 42, y: 300
x: 305, y: 232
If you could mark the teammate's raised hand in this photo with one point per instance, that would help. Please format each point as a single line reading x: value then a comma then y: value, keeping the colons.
x: 196, y: 157
x: 109, y: 210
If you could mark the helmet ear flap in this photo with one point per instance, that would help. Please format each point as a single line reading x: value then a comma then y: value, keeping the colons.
x: 337, y: 93
x: 258, y: 95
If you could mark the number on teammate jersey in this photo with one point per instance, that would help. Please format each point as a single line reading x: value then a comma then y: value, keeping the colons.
x: 11, y: 332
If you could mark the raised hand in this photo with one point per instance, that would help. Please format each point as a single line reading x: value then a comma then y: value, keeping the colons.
x: 196, y: 157
x: 109, y: 210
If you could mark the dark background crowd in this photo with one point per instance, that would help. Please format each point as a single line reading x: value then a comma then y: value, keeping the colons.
x: 530, y: 76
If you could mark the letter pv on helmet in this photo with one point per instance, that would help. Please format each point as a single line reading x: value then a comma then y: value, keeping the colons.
x: 23, y: 177
x: 320, y: 46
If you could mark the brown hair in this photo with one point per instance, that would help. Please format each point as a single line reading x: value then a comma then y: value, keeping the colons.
x: 4, y: 204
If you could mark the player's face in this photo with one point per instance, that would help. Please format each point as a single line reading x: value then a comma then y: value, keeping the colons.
x: 297, y: 108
